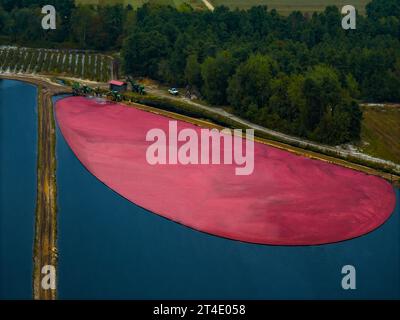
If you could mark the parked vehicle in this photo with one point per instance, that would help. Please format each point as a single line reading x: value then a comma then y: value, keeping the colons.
x: 136, y: 87
x: 173, y: 91
x: 114, y: 96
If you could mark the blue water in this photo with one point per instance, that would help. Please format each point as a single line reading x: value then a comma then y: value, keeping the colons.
x: 18, y: 152
x: 112, y: 249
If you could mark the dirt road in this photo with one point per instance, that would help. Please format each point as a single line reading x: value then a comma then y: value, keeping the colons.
x: 208, y: 5
x: 45, y: 247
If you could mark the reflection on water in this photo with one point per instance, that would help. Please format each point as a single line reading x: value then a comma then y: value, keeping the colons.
x: 110, y: 248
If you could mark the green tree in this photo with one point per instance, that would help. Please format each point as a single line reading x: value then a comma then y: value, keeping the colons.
x: 143, y: 51
x: 193, y: 71
x: 352, y: 86
x: 377, y: 9
x: 322, y: 91
x: 82, y: 21
x: 215, y: 73
x: 251, y: 83
x: 6, y: 22
x: 26, y: 25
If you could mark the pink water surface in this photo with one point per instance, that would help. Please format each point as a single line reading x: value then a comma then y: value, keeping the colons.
x: 288, y: 200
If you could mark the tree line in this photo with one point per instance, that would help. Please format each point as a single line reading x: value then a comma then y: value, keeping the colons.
x: 301, y: 74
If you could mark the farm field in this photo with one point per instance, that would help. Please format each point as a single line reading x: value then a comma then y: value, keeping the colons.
x: 283, y: 6
x: 287, y: 6
x: 84, y: 65
x: 380, y: 133
x: 197, y: 4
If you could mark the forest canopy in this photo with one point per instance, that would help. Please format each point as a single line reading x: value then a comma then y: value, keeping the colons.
x: 301, y: 74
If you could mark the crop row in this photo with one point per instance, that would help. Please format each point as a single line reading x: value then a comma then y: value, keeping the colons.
x: 82, y: 65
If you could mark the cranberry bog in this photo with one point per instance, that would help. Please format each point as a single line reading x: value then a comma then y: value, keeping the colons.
x: 287, y: 200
